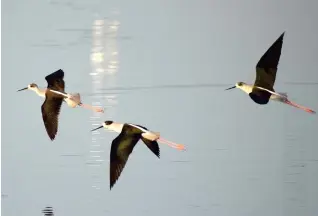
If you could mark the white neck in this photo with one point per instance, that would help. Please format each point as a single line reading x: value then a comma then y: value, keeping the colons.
x: 246, y: 88
x: 40, y: 92
x: 117, y: 127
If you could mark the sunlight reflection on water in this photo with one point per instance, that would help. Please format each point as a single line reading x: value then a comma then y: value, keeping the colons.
x: 104, y: 63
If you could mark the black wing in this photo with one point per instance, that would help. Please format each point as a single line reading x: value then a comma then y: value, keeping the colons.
x: 122, y: 146
x: 55, y: 80
x: 152, y: 145
x: 50, y: 113
x: 266, y: 70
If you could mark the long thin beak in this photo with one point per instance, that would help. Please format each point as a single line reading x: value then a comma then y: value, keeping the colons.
x: 97, y: 128
x: 231, y: 88
x: 23, y: 89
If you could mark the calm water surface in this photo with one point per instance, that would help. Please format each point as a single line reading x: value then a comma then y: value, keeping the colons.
x: 242, y: 158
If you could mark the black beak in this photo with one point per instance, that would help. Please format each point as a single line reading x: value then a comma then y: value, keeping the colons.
x: 231, y: 88
x: 97, y: 128
x: 23, y: 89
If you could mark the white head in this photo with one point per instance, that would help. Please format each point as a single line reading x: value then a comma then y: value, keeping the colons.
x: 239, y: 85
x: 32, y: 87
x: 106, y: 124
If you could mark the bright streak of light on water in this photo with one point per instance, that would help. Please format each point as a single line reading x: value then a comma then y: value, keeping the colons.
x: 105, y: 64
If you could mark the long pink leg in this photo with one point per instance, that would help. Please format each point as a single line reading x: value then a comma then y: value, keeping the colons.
x: 172, y: 144
x: 95, y: 109
x: 300, y: 107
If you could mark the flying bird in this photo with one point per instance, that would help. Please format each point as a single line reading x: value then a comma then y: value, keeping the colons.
x: 263, y: 89
x: 54, y: 96
x: 124, y: 143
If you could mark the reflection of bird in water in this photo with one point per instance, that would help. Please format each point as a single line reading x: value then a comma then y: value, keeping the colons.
x: 48, y: 211
x: 124, y: 143
x: 262, y: 91
x: 54, y: 96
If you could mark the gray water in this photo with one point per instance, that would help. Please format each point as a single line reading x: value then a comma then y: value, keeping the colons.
x: 241, y: 159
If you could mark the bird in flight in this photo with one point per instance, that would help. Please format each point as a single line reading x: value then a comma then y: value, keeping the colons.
x: 124, y: 143
x: 263, y: 89
x: 54, y: 96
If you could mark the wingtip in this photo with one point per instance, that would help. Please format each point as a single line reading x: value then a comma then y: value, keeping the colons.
x: 158, y: 152
x: 111, y: 186
x: 283, y: 34
x: 58, y: 74
x: 60, y: 70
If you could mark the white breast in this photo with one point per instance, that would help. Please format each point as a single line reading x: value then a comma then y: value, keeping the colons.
x: 246, y: 88
x: 40, y: 92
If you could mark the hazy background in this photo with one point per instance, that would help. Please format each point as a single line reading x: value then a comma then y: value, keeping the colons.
x: 242, y: 158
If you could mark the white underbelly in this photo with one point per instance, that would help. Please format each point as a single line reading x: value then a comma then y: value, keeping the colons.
x: 151, y: 135
x: 278, y: 98
x: 74, y: 101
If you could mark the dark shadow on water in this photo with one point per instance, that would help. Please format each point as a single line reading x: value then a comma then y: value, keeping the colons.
x: 48, y: 211
x: 180, y: 161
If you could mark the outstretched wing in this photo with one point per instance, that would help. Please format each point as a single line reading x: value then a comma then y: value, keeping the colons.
x: 122, y: 146
x: 152, y: 145
x: 266, y: 70
x: 55, y: 80
x: 50, y: 113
